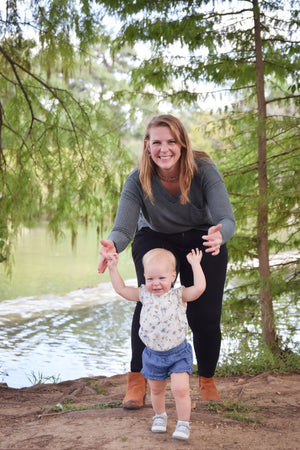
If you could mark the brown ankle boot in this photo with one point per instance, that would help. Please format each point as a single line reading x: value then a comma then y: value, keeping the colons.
x: 136, y: 391
x: 208, y: 390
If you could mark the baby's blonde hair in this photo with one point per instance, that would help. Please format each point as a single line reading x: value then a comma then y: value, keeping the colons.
x: 157, y: 254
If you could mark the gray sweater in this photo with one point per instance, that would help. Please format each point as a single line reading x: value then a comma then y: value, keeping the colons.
x: 209, y: 205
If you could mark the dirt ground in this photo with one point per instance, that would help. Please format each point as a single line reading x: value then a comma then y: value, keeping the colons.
x: 272, y: 420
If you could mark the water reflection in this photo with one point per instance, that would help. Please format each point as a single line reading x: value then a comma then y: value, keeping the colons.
x: 87, y: 341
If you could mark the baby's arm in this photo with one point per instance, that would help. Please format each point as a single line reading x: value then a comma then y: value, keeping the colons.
x: 128, y: 292
x: 193, y: 292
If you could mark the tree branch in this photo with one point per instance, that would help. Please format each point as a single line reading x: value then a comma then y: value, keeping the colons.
x: 20, y: 84
x: 278, y: 99
x: 53, y: 92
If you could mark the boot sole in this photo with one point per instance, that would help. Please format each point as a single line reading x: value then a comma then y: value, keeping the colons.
x: 129, y: 404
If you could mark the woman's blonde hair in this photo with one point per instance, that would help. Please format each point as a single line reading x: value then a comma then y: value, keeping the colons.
x: 187, y: 161
x: 158, y: 254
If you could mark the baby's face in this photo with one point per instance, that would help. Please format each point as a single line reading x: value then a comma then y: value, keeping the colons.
x: 159, y: 277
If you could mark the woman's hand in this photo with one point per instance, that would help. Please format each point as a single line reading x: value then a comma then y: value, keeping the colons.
x: 213, y: 240
x: 108, y: 248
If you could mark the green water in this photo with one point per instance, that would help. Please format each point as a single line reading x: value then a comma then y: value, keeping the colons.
x: 44, y: 266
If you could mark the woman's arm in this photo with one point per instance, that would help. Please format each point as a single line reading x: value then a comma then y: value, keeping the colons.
x: 128, y: 211
x: 125, y: 223
x: 218, y: 202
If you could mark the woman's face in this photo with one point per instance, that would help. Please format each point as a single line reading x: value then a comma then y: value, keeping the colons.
x: 164, y: 149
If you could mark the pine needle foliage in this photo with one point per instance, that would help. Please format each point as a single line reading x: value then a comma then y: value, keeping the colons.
x: 63, y: 156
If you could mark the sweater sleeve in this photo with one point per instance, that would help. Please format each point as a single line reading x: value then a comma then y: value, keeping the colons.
x: 218, y: 202
x: 128, y: 211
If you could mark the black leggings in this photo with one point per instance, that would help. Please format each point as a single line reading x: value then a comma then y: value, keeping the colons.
x: 204, y: 314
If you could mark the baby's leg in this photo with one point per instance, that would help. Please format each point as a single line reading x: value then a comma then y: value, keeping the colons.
x: 180, y: 386
x: 158, y: 391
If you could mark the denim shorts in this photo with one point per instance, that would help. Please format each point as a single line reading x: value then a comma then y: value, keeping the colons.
x: 159, y: 365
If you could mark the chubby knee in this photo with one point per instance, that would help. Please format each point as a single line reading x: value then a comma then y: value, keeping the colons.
x: 180, y: 385
x: 157, y: 387
x: 180, y: 391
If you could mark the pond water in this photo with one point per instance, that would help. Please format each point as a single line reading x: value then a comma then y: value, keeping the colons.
x: 58, y: 317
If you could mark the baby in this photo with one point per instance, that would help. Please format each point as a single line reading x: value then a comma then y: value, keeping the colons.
x: 163, y: 330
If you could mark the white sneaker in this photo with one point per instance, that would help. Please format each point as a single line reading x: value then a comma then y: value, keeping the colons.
x: 182, y: 431
x: 159, y: 423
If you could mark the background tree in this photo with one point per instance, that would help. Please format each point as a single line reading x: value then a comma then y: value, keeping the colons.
x: 248, y: 48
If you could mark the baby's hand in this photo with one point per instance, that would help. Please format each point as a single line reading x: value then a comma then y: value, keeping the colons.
x: 194, y: 256
x: 112, y: 260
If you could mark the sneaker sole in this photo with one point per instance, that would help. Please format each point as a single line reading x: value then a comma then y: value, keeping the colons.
x: 181, y: 438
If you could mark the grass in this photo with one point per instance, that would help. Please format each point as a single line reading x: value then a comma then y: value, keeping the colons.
x: 235, y: 410
x: 42, y: 379
x: 262, y: 360
x: 94, y: 385
x: 69, y: 406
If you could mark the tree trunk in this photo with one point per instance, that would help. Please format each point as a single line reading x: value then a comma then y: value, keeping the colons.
x: 268, y: 325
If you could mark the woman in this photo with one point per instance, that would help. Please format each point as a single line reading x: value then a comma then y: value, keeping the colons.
x: 176, y: 199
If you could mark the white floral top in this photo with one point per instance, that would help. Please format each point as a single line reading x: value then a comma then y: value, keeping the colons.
x: 163, y: 321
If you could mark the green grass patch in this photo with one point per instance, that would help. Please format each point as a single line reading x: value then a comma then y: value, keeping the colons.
x: 39, y: 378
x: 94, y: 385
x: 66, y: 406
x: 249, y: 362
x: 235, y: 410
